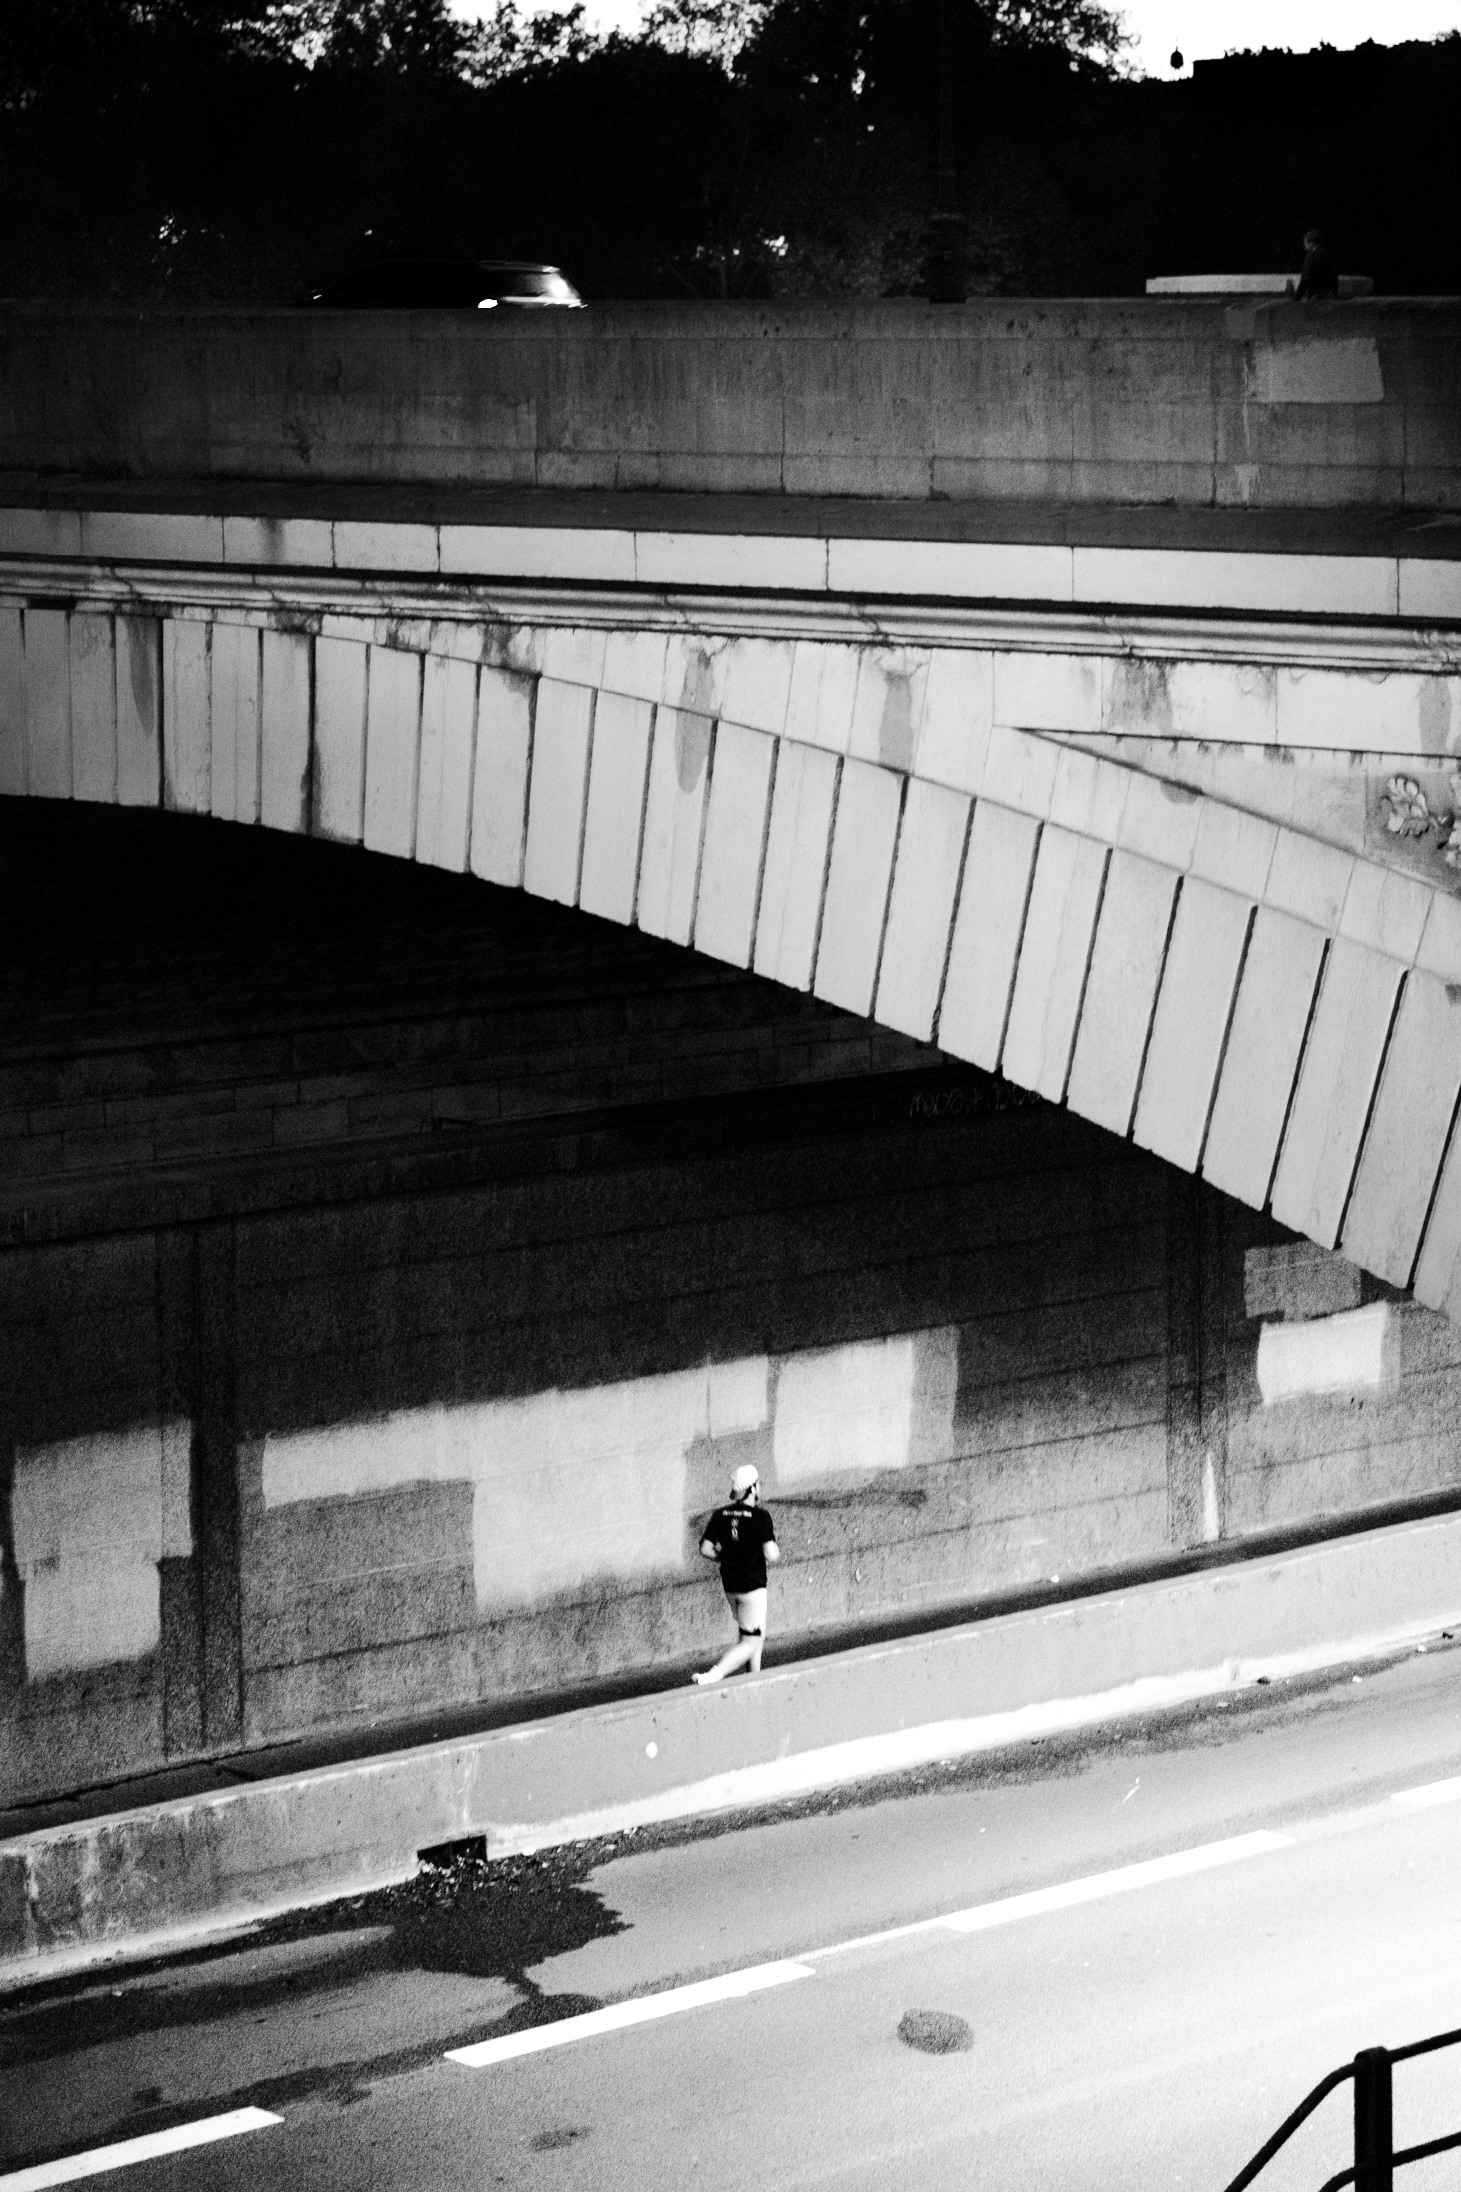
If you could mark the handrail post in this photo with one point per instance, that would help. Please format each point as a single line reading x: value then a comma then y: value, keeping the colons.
x: 1374, y: 2142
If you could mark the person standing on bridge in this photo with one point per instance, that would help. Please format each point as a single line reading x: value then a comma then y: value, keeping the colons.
x: 742, y: 1538
x: 1320, y: 274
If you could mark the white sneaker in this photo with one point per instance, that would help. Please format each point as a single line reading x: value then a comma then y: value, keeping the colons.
x: 711, y: 1674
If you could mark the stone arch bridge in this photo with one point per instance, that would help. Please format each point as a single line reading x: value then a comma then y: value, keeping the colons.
x: 1185, y: 868
x: 1073, y: 687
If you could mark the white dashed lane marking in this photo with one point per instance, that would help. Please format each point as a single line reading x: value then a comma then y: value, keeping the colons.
x: 98, y: 2159
x: 1010, y: 1909
x: 1432, y: 1792
x: 731, y: 1986
x: 1122, y: 1881
x: 642, y: 2010
x: 980, y: 1919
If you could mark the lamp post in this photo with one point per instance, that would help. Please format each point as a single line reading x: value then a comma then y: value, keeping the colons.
x: 945, y: 267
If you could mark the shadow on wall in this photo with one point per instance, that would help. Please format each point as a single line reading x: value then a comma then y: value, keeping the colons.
x: 442, y: 1433
x: 591, y: 1490
x: 570, y: 1491
x: 611, y: 1483
x: 491, y: 1546
x: 446, y: 1428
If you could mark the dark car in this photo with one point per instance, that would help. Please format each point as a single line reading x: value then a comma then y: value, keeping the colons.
x: 450, y: 285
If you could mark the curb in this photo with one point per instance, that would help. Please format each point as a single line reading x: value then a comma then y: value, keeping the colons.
x: 143, y: 1882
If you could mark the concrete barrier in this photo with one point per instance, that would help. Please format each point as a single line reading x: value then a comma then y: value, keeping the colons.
x: 1140, y: 400
x: 139, y: 1881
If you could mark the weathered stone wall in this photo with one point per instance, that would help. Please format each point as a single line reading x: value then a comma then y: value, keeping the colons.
x: 472, y: 1434
x: 1105, y: 401
x: 533, y: 1398
x: 298, y: 1438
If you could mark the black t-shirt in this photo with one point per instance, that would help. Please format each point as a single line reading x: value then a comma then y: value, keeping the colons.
x: 740, y: 1535
x: 1320, y: 274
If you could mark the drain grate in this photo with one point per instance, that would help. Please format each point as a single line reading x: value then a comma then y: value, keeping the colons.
x: 472, y: 1849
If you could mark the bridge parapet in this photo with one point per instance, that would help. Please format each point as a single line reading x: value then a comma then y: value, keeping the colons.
x: 1116, y: 401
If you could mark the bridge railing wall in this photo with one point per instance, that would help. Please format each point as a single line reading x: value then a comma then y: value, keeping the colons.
x: 1120, y: 401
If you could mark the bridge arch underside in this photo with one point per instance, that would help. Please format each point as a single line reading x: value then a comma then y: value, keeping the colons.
x: 1116, y: 879
x: 1089, y: 875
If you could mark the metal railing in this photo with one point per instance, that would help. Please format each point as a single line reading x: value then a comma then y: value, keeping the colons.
x: 1375, y: 2159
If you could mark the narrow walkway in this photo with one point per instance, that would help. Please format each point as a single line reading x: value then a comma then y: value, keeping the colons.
x: 456, y: 1722
x: 1349, y: 531
x: 253, y: 1844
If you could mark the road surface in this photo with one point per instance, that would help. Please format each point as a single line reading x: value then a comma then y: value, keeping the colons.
x: 1149, y: 1942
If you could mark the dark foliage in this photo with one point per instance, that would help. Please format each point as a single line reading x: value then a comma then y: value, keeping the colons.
x: 250, y: 149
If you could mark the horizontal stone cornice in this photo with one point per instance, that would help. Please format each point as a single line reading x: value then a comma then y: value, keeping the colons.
x: 406, y: 608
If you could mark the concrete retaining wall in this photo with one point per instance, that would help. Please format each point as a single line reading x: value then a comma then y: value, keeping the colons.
x: 1107, y: 401
x: 306, y: 1470
x: 122, y: 1884
x: 309, y: 1423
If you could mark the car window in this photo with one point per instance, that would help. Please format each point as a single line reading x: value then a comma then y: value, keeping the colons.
x: 543, y: 282
x: 427, y: 284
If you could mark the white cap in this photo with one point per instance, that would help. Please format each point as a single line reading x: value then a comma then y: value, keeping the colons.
x: 744, y: 1480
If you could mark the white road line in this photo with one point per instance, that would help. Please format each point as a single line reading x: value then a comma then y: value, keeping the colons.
x: 977, y: 1920
x: 127, y: 2151
x: 640, y: 2011
x: 876, y: 1940
x: 1432, y: 1792
x: 1119, y: 1882
x: 1011, y: 1908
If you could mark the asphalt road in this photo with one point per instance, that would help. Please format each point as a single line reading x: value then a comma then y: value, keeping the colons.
x: 1149, y: 1943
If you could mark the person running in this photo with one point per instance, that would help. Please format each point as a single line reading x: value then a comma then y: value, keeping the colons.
x: 743, y: 1539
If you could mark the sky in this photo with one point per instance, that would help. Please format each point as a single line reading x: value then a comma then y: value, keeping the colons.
x: 1200, y: 29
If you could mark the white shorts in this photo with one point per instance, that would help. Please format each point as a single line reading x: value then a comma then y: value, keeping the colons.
x: 749, y: 1608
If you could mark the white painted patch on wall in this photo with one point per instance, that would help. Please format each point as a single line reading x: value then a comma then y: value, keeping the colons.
x: 92, y: 1518
x: 845, y: 1411
x: 1338, y: 1354
x: 569, y: 1488
x: 578, y: 1487
x: 738, y: 1399
x: 1342, y: 371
